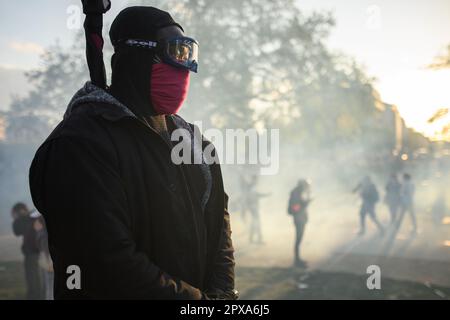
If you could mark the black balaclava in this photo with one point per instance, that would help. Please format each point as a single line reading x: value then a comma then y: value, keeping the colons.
x: 132, y: 66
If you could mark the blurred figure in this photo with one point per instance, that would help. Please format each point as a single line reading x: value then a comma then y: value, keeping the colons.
x: 393, y: 199
x: 407, y: 203
x: 251, y: 205
x: 23, y: 226
x: 45, y: 261
x: 439, y: 210
x: 244, y: 203
x: 369, y: 196
x: 298, y: 204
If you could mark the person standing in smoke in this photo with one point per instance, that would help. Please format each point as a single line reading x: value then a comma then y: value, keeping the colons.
x: 23, y: 225
x: 392, y: 198
x: 439, y: 209
x: 299, y: 201
x: 245, y: 186
x: 369, y: 196
x: 116, y: 205
x: 252, y: 199
x: 250, y: 214
x: 45, y: 262
x: 407, y: 200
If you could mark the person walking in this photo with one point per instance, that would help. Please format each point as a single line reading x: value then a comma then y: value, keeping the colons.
x: 369, y: 196
x: 393, y: 196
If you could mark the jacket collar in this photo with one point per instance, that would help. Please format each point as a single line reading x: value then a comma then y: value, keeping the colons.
x: 98, y: 101
x: 102, y: 103
x: 105, y: 104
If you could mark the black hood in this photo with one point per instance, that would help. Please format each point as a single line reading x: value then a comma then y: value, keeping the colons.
x: 131, y: 66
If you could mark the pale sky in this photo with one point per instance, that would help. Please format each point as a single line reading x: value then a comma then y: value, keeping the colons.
x: 394, y: 40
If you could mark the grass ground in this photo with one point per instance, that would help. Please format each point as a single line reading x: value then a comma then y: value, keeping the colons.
x: 277, y: 283
x: 12, y: 282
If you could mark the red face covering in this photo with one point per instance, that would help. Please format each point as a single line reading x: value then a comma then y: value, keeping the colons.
x: 169, y: 88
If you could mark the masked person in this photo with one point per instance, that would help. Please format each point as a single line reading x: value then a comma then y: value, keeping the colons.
x: 135, y: 223
x: 299, y: 201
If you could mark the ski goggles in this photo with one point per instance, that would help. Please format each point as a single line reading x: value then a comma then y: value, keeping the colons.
x: 180, y: 52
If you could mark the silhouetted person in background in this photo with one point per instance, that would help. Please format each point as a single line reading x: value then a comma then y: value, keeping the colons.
x: 252, y: 207
x: 23, y: 226
x: 369, y: 196
x: 439, y: 210
x: 393, y: 198
x: 245, y: 205
x: 298, y: 204
x: 407, y: 196
x: 45, y: 261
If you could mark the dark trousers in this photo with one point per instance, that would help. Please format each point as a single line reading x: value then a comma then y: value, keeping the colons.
x: 300, y: 223
x: 368, y: 209
x: 393, y: 210
x: 33, y: 277
x: 410, y: 209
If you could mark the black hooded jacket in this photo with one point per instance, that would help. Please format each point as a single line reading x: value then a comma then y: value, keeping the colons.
x: 115, y: 204
x: 137, y: 225
x: 23, y: 226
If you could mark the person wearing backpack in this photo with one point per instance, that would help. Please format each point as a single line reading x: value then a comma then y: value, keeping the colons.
x: 369, y: 196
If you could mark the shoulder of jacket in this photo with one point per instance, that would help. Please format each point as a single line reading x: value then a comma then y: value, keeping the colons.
x: 82, y: 127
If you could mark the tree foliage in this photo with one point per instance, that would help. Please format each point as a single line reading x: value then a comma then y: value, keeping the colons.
x: 263, y: 63
x: 441, y: 61
x: 266, y: 63
x: 32, y: 116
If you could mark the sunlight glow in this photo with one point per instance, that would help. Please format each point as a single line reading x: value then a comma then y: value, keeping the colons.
x: 418, y: 95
